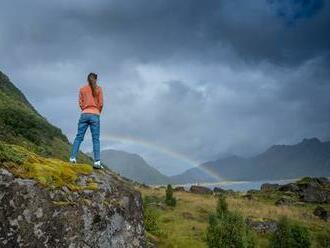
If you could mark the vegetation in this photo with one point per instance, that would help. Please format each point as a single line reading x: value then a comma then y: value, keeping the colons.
x: 289, y: 235
x: 21, y: 124
x: 186, y: 225
x: 323, y: 238
x: 227, y: 229
x: 169, y: 198
x: 151, y: 216
x: 49, y: 172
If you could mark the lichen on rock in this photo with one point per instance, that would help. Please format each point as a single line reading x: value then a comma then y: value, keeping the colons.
x: 47, y: 202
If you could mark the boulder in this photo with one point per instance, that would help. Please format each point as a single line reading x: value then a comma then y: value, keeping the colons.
x: 262, y: 226
x: 252, y: 191
x: 269, y: 187
x: 291, y: 187
x: 218, y: 190
x: 322, y: 213
x: 33, y: 215
x: 248, y: 196
x: 284, y: 201
x: 200, y: 189
x: 179, y: 189
x: 315, y: 194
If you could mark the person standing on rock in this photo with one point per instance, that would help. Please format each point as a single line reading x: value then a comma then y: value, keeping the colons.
x: 91, y: 104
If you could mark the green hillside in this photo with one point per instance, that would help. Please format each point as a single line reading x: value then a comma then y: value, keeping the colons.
x: 21, y: 124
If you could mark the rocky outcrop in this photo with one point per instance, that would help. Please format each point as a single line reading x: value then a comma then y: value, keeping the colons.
x: 32, y: 215
x: 284, y: 201
x: 262, y: 225
x: 200, y: 190
x: 290, y: 187
x: 314, y: 190
x: 269, y: 187
x: 179, y: 189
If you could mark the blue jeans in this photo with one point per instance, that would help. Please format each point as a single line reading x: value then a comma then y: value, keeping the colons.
x: 88, y: 120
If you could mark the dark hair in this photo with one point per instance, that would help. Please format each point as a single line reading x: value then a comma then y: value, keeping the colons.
x: 92, y: 85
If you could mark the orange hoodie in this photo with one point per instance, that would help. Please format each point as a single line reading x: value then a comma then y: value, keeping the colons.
x: 88, y: 103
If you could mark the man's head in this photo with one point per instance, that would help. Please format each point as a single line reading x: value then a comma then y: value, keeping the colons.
x: 92, y: 78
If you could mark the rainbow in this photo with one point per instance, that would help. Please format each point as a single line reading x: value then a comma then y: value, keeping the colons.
x: 158, y: 148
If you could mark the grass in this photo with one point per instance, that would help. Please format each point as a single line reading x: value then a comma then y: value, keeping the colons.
x: 49, y: 172
x: 185, y: 225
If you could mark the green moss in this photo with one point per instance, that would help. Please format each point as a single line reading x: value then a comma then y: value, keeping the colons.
x: 49, y: 172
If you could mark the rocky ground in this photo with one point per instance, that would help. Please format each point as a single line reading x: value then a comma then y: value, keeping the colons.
x: 50, y: 203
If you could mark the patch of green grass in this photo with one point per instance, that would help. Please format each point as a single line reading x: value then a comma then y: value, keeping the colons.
x: 186, y: 224
x: 49, y: 172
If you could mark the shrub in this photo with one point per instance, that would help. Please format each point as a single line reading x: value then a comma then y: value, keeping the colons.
x: 222, y: 206
x: 323, y: 238
x: 169, y: 199
x: 151, y: 215
x: 8, y: 154
x: 228, y: 229
x: 290, y: 235
x: 151, y: 220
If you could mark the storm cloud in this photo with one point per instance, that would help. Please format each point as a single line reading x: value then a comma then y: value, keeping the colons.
x: 184, y: 81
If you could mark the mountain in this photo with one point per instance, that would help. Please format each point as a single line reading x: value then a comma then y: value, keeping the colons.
x: 194, y: 175
x: 21, y: 124
x: 133, y: 167
x: 310, y: 157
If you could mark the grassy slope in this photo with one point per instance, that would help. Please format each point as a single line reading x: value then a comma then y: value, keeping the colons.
x: 21, y: 124
x: 185, y: 225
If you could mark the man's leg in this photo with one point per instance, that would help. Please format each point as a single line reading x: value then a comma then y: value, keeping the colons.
x: 82, y: 127
x: 95, y: 130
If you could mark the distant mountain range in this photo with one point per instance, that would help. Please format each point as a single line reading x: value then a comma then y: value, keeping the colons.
x: 311, y: 157
x: 133, y: 166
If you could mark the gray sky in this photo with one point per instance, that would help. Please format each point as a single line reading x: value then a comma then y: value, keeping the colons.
x: 184, y: 81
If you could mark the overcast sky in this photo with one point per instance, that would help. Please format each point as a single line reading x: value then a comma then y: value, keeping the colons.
x: 184, y: 81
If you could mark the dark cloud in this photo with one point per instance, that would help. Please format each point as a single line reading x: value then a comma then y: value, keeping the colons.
x: 198, y: 78
x: 292, y: 10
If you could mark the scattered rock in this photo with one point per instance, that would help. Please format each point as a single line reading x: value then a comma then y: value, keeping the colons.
x: 179, y: 189
x: 252, y: 191
x: 219, y: 190
x: 291, y: 187
x: 322, y: 213
x: 248, y: 196
x: 284, y: 201
x: 200, y: 189
x: 269, y: 187
x: 262, y: 226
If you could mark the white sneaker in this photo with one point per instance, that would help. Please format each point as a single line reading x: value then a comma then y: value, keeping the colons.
x: 73, y: 160
x: 98, y: 165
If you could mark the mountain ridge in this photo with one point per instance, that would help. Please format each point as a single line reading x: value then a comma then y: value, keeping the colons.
x: 310, y: 157
x: 132, y: 166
